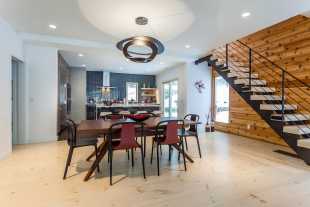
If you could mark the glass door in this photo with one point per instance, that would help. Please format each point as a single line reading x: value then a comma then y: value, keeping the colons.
x: 221, y: 100
x: 171, y: 99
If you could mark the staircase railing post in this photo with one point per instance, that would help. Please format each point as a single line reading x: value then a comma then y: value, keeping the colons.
x: 250, y: 69
x: 283, y: 96
x: 227, y: 55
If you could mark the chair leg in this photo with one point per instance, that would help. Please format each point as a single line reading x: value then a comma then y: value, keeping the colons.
x: 142, y: 158
x: 186, y: 143
x: 152, y: 151
x: 69, y: 158
x: 197, y: 139
x: 157, y: 151
x: 144, y: 147
x: 96, y: 151
x: 161, y: 150
x: 128, y: 156
x: 132, y: 158
x: 111, y: 158
x: 170, y: 150
x: 183, y: 153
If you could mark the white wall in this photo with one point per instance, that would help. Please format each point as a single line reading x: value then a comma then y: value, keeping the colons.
x: 198, y: 103
x: 11, y: 45
x: 177, y: 72
x: 40, y: 90
x: 78, y: 94
x: 190, y: 100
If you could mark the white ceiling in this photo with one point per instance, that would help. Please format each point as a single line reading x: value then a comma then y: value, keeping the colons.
x: 95, y: 28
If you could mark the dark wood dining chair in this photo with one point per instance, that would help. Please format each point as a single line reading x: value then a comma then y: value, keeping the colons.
x: 166, y: 133
x: 76, y: 142
x: 122, y: 136
x: 192, y: 131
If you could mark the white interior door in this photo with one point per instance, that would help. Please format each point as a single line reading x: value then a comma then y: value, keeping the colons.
x: 15, y: 95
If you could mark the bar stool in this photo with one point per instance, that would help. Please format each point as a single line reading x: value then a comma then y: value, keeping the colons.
x: 157, y: 113
x: 142, y: 112
x: 104, y: 114
x: 124, y: 113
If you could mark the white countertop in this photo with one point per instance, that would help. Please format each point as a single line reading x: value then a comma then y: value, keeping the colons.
x: 126, y: 105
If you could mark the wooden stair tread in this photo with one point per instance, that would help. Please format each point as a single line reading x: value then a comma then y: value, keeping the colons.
x: 277, y: 107
x: 297, y: 129
x: 304, y: 143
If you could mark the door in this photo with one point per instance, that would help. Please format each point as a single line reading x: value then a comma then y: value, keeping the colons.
x: 15, y: 94
x: 221, y: 100
x: 171, y: 99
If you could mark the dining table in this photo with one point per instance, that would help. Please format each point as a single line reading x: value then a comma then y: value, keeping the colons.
x: 100, y: 128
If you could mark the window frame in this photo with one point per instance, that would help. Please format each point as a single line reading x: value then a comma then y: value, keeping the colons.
x: 137, y: 90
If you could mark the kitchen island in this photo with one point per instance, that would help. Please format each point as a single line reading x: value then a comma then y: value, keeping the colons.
x: 94, y: 110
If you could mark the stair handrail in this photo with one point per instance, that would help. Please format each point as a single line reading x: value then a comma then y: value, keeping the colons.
x: 273, y: 63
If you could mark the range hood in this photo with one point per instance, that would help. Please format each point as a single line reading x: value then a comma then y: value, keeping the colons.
x: 106, y: 79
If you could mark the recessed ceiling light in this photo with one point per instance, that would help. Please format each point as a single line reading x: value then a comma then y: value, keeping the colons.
x: 52, y: 26
x: 83, y: 65
x: 161, y: 63
x: 81, y: 55
x: 188, y: 46
x: 246, y: 14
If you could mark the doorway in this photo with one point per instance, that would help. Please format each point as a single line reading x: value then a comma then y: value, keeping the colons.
x: 171, y: 99
x: 15, y: 100
x: 221, y: 92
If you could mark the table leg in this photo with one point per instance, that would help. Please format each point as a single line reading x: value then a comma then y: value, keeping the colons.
x: 103, y: 150
x: 177, y: 147
x: 93, y: 154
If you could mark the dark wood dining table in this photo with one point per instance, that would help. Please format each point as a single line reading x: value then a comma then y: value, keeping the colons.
x: 97, y: 128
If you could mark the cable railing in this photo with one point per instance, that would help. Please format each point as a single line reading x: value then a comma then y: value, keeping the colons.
x: 281, y: 78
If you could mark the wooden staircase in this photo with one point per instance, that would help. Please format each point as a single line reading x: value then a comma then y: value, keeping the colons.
x: 275, y: 94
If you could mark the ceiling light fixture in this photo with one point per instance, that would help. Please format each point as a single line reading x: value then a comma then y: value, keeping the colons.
x: 84, y: 65
x: 81, y: 55
x: 52, y: 26
x: 188, y: 46
x: 141, y: 41
x: 246, y: 14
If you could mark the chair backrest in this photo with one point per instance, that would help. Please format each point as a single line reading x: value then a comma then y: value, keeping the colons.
x: 170, y: 134
x: 71, y: 129
x: 192, y: 117
x: 125, y: 132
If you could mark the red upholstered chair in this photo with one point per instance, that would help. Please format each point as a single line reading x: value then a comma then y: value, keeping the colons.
x: 167, y: 134
x: 122, y: 136
x: 76, y: 142
x: 192, y: 131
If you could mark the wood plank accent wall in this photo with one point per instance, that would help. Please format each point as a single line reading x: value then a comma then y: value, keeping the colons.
x: 244, y: 121
x: 288, y: 45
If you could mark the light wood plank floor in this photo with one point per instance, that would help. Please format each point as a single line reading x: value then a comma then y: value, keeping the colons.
x: 234, y: 171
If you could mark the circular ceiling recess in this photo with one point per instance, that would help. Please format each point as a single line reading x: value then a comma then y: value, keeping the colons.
x: 161, y: 19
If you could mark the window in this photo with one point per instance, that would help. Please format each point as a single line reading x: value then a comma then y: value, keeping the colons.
x: 221, y: 100
x: 171, y: 99
x: 132, y: 91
